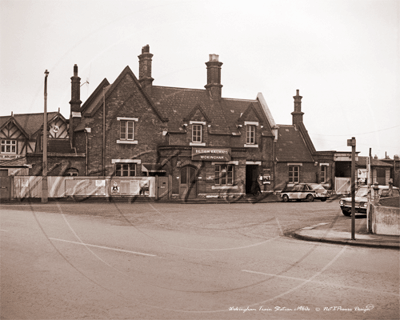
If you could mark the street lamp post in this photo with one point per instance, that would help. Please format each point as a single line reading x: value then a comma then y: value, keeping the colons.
x: 44, y: 171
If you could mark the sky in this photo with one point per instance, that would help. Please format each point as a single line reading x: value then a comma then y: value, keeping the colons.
x: 343, y: 56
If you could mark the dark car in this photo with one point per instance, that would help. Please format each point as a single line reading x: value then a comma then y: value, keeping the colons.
x: 361, y: 199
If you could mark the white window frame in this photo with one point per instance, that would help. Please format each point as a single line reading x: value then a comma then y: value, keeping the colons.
x: 12, y: 144
x: 197, y: 133
x: 200, y: 124
x: 126, y: 139
x: 250, y: 134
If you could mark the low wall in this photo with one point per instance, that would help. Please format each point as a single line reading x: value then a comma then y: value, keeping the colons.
x: 385, y: 220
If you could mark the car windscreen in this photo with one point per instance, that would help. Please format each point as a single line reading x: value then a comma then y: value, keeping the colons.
x: 362, y: 192
x: 317, y: 187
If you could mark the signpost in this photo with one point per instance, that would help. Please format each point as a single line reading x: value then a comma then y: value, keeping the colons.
x: 352, y: 143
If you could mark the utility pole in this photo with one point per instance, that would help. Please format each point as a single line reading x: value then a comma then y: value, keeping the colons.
x: 352, y: 143
x: 44, y: 170
x: 369, y: 183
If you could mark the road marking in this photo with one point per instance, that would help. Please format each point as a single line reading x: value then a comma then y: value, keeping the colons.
x: 319, y: 282
x: 314, y: 226
x: 106, y: 248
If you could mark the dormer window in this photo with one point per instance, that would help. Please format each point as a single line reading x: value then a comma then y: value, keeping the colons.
x: 197, y: 133
x: 250, y: 134
x: 251, y: 127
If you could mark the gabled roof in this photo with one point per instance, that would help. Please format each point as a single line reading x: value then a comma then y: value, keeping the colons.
x: 223, y: 114
x: 196, y: 110
x: 95, y: 101
x: 306, y: 137
x: 30, y: 123
x: 291, y: 146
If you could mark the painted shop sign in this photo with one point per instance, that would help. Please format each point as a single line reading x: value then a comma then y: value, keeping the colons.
x: 211, y: 154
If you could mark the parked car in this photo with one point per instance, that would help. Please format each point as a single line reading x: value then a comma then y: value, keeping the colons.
x: 321, y: 193
x: 298, y: 191
x: 361, y: 199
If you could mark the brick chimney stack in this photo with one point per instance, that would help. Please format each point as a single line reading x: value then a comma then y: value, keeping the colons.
x: 145, y: 79
x: 297, y: 115
x: 75, y: 104
x: 214, y: 86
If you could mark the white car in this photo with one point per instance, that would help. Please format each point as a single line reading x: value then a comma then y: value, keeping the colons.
x: 361, y: 199
x: 299, y: 191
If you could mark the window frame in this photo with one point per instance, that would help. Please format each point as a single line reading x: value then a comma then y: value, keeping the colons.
x: 293, y: 178
x: 11, y: 143
x: 129, y: 167
x: 224, y: 178
x: 126, y: 130
x: 197, y: 134
x: 323, y: 173
x: 251, y: 134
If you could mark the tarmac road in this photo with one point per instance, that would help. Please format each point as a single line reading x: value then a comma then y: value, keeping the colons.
x: 175, y: 261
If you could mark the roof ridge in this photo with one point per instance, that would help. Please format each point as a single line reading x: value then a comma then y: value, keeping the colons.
x: 26, y: 114
x: 180, y: 88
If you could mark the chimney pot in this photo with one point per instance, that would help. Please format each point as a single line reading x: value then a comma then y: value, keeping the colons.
x: 146, y: 49
x: 214, y: 57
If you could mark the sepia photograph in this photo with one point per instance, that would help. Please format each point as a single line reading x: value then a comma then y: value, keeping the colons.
x: 199, y: 159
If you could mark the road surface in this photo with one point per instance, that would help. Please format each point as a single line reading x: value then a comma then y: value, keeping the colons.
x: 186, y: 261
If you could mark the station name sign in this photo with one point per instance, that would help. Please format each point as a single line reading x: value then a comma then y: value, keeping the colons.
x: 211, y: 154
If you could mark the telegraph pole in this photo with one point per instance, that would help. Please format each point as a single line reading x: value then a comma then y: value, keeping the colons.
x: 352, y: 143
x: 44, y: 171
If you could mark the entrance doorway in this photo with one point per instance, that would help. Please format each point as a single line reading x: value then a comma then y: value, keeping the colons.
x: 188, y: 185
x: 5, y: 184
x: 252, y: 172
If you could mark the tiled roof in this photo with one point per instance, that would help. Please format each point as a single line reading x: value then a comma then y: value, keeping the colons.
x: 177, y: 104
x: 95, y: 99
x: 291, y: 146
x: 30, y: 122
x: 362, y: 162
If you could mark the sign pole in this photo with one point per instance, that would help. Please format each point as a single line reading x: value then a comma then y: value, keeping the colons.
x: 352, y: 142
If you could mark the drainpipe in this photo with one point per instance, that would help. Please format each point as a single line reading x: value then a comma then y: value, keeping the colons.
x: 86, y: 153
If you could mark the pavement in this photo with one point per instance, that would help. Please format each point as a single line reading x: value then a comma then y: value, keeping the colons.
x: 339, y: 232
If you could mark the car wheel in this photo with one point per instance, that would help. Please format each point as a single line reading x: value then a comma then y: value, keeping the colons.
x: 310, y: 198
x: 323, y: 199
x: 285, y: 198
x: 346, y: 213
